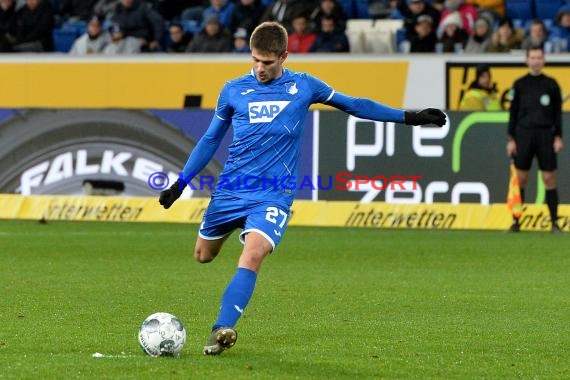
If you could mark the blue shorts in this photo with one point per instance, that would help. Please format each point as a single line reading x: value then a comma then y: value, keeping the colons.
x: 225, y: 214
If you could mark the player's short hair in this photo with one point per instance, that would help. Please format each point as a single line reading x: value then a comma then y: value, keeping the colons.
x: 534, y: 47
x: 269, y: 37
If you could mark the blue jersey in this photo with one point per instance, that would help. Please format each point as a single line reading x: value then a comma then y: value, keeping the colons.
x: 268, y: 123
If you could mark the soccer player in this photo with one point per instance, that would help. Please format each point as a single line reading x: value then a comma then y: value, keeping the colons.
x: 535, y: 129
x: 266, y: 109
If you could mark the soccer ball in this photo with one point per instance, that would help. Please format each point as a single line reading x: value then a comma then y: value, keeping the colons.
x: 162, y: 334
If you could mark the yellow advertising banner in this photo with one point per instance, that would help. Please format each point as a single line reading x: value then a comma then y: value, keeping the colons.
x: 304, y: 213
x: 460, y: 76
x: 165, y: 84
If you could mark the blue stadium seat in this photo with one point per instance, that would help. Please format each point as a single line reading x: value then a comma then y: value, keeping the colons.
x: 361, y: 9
x: 519, y: 9
x: 400, y: 37
x: 191, y: 26
x: 79, y: 27
x: 63, y: 39
x: 519, y: 23
x: 547, y: 9
x: 347, y: 7
x: 548, y: 23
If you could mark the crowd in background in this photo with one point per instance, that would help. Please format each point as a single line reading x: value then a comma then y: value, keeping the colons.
x: 214, y: 26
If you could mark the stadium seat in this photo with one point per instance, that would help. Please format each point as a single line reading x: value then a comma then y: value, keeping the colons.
x: 79, y: 27
x: 400, y: 37
x: 519, y: 23
x: 380, y: 41
x: 355, y: 41
x: 519, y: 9
x: 547, y: 9
x: 548, y: 23
x: 356, y: 30
x: 191, y: 26
x: 389, y: 24
x: 382, y: 37
x: 63, y: 39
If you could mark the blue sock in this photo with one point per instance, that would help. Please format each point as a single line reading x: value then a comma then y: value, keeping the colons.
x: 236, y: 297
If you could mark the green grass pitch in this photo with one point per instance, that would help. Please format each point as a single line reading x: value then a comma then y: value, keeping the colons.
x: 330, y: 303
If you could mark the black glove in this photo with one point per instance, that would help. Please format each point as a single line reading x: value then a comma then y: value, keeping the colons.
x: 168, y: 196
x: 427, y: 116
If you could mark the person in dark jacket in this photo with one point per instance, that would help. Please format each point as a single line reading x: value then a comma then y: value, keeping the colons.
x: 180, y: 39
x: 284, y: 11
x: 34, y: 27
x: 138, y: 20
x: 77, y: 9
x: 330, y: 39
x: 328, y: 8
x: 7, y: 24
x: 246, y: 14
x: 425, y: 39
x: 411, y: 10
x: 214, y: 38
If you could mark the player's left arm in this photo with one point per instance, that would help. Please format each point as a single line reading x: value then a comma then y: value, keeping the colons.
x: 369, y: 109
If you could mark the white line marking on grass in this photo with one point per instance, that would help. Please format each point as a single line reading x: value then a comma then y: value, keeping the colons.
x: 122, y: 355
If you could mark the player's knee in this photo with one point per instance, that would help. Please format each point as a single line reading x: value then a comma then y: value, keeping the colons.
x: 203, y: 256
x: 549, y: 179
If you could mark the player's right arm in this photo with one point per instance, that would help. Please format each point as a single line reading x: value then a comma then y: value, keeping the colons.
x: 203, y: 152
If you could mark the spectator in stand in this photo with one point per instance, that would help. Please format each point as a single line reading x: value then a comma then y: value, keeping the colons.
x: 179, y: 39
x: 482, y: 92
x: 411, y: 10
x: 75, y: 10
x: 454, y: 37
x: 424, y: 39
x: 221, y: 8
x: 439, y: 5
x: 560, y: 36
x: 246, y: 14
x: 536, y: 35
x: 467, y: 12
x: 93, y: 41
x: 283, y: 11
x: 120, y: 43
x: 7, y: 24
x: 301, y: 40
x: 241, y: 44
x: 330, y: 38
x: 213, y: 38
x: 138, y: 20
x: 481, y: 38
x: 328, y: 8
x: 34, y: 27
x: 506, y: 38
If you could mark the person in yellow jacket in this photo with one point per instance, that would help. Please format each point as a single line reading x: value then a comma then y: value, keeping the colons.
x: 482, y: 93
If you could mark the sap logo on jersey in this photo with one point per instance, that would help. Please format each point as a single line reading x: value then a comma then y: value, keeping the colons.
x: 265, y: 112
